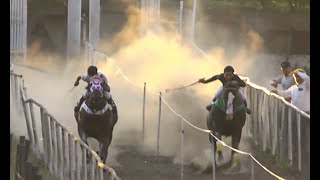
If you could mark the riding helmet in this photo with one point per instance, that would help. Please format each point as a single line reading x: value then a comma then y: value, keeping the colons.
x: 92, y: 70
x: 228, y: 69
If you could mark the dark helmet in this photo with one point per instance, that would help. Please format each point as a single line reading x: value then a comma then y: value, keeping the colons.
x: 92, y: 70
x: 285, y: 64
x: 228, y: 69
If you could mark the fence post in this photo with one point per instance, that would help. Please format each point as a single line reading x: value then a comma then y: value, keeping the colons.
x: 44, y: 135
x: 194, y: 12
x: 71, y: 157
x: 159, y: 117
x: 299, y: 139
x: 180, y: 18
x: 290, y: 136
x: 54, y: 146
x: 60, y: 161
x: 252, y: 169
x: 34, y: 128
x: 181, y: 149
x: 143, y: 111
x: 26, y: 114
x: 77, y: 157
x: 213, y: 161
x: 84, y: 163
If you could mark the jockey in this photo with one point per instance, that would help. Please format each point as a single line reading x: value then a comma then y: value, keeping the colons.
x: 226, y: 76
x: 92, y: 71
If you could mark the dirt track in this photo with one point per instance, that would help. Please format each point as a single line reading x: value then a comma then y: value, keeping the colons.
x: 138, y: 166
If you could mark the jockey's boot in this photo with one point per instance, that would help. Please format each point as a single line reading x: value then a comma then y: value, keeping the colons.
x: 247, y: 109
x: 208, y: 107
x: 113, y: 105
x: 77, y: 108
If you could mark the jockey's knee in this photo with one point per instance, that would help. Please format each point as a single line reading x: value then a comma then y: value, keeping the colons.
x: 107, y: 94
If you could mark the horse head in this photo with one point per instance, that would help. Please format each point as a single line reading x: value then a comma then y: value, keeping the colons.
x: 96, y: 100
x: 230, y: 95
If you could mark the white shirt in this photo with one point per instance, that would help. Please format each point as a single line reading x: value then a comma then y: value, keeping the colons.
x: 299, y: 93
x: 85, y: 77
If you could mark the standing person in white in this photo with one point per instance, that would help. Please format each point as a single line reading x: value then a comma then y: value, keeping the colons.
x: 299, y: 93
x: 286, y: 80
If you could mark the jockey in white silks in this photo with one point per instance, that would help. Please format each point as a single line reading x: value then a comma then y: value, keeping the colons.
x: 93, y: 71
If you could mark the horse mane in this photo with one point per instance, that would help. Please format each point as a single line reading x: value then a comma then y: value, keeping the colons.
x: 101, y: 102
x: 230, y: 86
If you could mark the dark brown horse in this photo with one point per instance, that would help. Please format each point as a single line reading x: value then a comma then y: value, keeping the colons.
x: 227, y: 117
x: 96, y: 119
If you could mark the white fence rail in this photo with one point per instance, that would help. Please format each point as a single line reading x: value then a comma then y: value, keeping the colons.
x: 279, y: 127
x: 61, y: 151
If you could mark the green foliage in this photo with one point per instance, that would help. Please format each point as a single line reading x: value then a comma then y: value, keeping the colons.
x: 273, y: 5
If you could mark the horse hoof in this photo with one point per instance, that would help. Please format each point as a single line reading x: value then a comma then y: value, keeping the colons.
x: 234, y: 169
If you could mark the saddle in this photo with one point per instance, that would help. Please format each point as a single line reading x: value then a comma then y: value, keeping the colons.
x: 221, y: 104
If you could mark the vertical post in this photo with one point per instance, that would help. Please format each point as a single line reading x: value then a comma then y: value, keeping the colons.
x: 65, y: 146
x: 74, y: 26
x: 34, y: 128
x: 84, y: 163
x: 71, y: 157
x: 25, y: 23
x: 194, y: 12
x: 180, y: 18
x: 299, y: 139
x: 143, y: 111
x: 94, y: 22
x: 159, y: 117
x: 290, y: 136
x: 54, y: 146
x: 93, y: 167
x: 77, y: 157
x: 213, y: 162
x: 282, y: 132
x: 60, y: 161
x: 275, y: 128
x: 50, y: 150
x: 252, y: 169
x: 181, y: 149
x: 44, y: 135
x: 26, y: 114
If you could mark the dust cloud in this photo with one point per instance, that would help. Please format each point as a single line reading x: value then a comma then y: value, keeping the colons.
x: 157, y: 58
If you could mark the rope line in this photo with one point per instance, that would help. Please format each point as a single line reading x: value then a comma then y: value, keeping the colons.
x: 200, y: 129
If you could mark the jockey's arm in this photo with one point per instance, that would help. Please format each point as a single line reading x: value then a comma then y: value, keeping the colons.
x: 77, y: 81
x: 213, y: 78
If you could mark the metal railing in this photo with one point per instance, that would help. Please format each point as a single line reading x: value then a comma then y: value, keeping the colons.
x: 63, y: 153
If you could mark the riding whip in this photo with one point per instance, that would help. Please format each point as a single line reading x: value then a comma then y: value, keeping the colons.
x: 182, y: 86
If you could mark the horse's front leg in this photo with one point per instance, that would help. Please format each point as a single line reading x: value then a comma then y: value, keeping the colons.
x: 105, y: 147
x: 84, y: 138
x: 236, y: 137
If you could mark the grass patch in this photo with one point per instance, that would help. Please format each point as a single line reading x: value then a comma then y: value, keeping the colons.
x: 268, y: 157
x: 43, y: 171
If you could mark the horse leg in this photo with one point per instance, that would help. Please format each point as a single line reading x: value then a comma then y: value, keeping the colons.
x: 235, y: 144
x: 105, y: 146
x: 84, y: 137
